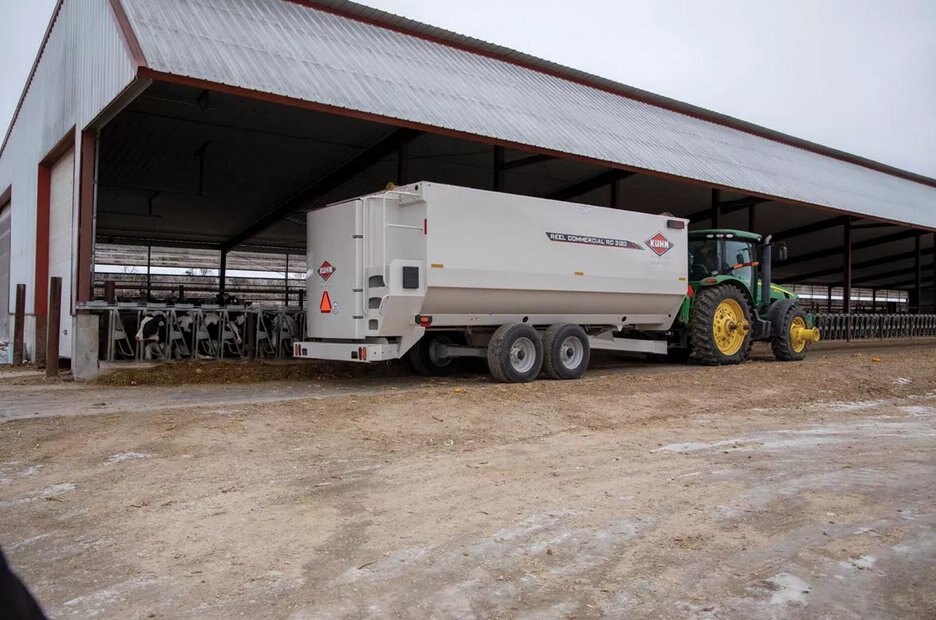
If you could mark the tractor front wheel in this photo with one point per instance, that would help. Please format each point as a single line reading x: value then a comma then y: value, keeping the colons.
x: 720, y: 326
x: 792, y: 336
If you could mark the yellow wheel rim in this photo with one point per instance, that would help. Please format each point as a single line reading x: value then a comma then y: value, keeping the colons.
x: 729, y: 327
x: 798, y: 334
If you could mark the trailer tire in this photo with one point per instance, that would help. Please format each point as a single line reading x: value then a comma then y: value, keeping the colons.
x: 515, y: 353
x: 426, y: 363
x: 718, y: 314
x: 784, y: 348
x: 566, y: 351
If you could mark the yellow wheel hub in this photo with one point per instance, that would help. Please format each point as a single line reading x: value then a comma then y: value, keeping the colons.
x: 729, y: 327
x: 800, y: 335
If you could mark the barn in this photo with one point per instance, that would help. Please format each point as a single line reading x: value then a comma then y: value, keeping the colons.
x: 192, y: 135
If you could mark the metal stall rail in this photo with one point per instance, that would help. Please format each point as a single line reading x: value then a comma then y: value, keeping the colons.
x: 875, y: 326
x: 161, y: 332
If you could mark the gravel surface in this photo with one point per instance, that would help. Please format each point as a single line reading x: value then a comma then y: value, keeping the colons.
x: 773, y: 490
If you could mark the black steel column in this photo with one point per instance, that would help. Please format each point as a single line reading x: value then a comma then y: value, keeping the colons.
x: 847, y: 276
x: 752, y: 218
x: 933, y: 283
x: 716, y: 208
x: 403, y: 160
x: 286, y: 282
x: 149, y: 282
x: 499, y: 155
x: 222, y: 277
x: 917, y: 302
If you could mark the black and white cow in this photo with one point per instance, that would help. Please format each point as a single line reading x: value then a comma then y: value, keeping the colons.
x: 152, y: 335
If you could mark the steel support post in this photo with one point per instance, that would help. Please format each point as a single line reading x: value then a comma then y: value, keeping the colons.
x: 499, y: 156
x: 752, y: 218
x: 222, y: 276
x: 847, y: 277
x: 84, y: 277
x: 918, y: 273
x: 933, y: 282
x: 403, y: 163
x: 19, y: 331
x: 149, y: 275
x: 716, y: 208
x: 54, y: 326
x: 286, y: 283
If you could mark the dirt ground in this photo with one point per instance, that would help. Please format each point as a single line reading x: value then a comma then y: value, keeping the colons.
x: 802, y: 490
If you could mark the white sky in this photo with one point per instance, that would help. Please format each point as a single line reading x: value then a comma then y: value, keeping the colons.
x: 857, y: 75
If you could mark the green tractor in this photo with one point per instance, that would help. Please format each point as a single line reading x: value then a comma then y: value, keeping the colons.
x: 732, y: 303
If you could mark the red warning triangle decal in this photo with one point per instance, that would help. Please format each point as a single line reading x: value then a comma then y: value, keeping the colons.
x: 325, y: 306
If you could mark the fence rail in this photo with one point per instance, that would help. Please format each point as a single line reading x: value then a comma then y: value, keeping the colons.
x: 875, y: 326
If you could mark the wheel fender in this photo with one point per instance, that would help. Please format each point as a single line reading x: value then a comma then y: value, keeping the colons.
x: 777, y: 311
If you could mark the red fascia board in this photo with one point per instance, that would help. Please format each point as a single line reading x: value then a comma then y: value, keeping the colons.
x: 129, y: 36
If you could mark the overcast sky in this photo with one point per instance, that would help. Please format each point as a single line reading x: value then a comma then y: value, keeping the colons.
x: 858, y: 75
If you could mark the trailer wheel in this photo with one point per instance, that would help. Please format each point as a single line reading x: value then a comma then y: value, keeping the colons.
x: 515, y: 353
x: 720, y: 326
x: 791, y: 336
x: 425, y: 358
x: 566, y: 351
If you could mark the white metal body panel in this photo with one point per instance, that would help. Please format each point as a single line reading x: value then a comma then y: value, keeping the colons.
x: 6, y: 291
x: 485, y: 259
x: 497, y: 253
x: 61, y: 245
x: 85, y: 65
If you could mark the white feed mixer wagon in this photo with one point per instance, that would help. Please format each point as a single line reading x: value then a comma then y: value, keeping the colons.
x: 440, y: 273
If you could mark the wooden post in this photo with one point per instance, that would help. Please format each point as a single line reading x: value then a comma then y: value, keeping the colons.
x: 54, y: 325
x: 19, y: 316
x: 110, y: 292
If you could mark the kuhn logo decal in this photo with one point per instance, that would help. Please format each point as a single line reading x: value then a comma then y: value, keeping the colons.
x: 659, y: 244
x: 326, y: 270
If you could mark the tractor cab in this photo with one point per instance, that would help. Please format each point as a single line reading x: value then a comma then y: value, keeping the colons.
x: 719, y: 255
x: 732, y: 301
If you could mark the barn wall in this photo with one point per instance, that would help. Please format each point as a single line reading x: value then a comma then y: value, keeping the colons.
x: 84, y: 66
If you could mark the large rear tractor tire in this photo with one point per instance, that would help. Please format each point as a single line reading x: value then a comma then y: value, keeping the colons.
x: 515, y: 353
x: 790, y: 340
x: 720, y: 326
x: 566, y: 351
x: 426, y: 359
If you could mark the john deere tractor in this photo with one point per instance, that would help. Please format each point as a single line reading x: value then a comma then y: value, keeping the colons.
x: 732, y: 303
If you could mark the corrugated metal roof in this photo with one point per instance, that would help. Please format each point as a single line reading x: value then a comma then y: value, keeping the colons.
x: 287, y: 49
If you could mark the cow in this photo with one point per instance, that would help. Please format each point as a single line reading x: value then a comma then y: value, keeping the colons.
x: 152, y: 332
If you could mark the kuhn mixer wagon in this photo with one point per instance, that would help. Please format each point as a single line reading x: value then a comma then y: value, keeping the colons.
x: 441, y: 273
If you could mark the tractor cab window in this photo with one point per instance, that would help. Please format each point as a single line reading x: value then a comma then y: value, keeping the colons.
x: 703, y: 258
x: 739, y: 253
x: 714, y: 257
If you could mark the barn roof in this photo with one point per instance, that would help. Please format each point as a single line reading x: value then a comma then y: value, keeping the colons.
x: 353, y: 60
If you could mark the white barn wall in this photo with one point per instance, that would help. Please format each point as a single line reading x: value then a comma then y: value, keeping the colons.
x: 84, y: 66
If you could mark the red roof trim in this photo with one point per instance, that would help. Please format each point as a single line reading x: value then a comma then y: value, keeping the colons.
x: 130, y: 38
